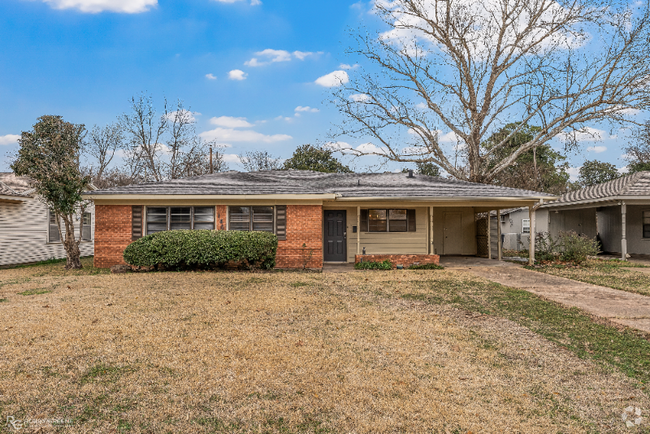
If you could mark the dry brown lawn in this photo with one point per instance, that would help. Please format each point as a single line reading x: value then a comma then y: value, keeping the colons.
x: 284, y: 352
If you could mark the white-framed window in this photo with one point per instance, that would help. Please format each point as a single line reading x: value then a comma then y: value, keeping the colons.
x: 171, y: 218
x: 251, y: 218
x: 525, y: 226
x: 53, y: 235
x: 86, y: 228
x: 504, y: 218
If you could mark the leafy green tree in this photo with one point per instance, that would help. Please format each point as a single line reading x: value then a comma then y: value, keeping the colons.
x: 638, y: 151
x: 425, y: 168
x: 595, y: 172
x: 539, y: 169
x: 316, y: 158
x: 49, y: 155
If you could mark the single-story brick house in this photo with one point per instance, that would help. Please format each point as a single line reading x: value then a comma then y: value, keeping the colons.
x: 318, y: 217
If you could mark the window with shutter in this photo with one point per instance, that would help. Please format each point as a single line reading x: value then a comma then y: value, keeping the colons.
x: 388, y: 220
x: 251, y: 218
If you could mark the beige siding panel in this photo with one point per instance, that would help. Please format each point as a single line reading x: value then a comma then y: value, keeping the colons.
x: 389, y: 243
x: 23, y: 234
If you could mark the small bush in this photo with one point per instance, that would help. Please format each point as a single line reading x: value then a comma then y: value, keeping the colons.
x: 575, y: 248
x: 203, y: 249
x: 370, y: 265
x: 426, y: 267
x: 546, y: 249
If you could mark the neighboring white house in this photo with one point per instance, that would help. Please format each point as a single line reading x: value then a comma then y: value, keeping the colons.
x: 515, y: 227
x: 28, y: 233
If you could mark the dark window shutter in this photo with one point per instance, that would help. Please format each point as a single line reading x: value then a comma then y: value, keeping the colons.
x: 364, y: 220
x: 411, y: 218
x: 136, y: 222
x: 281, y: 222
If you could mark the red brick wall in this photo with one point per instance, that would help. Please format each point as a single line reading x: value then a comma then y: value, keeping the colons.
x: 405, y: 260
x: 112, y: 234
x: 304, y: 227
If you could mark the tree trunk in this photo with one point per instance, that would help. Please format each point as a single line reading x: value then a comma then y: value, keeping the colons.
x: 71, y: 245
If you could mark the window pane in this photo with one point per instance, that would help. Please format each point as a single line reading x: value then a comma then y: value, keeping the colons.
x: 156, y: 220
x: 199, y: 226
x: 239, y: 226
x: 240, y: 210
x: 646, y: 217
x: 180, y: 215
x: 157, y: 214
x: 646, y: 231
x: 265, y: 227
x: 398, y: 225
x: 377, y: 214
x: 378, y: 226
x: 86, y: 218
x: 240, y: 218
x: 203, y: 214
x: 397, y: 214
x: 85, y: 233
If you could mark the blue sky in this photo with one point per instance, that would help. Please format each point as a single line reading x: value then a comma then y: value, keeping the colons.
x: 84, y: 59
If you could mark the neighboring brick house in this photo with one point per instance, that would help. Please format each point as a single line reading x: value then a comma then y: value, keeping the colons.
x: 318, y: 217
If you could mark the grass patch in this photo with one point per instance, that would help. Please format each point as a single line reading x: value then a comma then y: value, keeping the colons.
x: 611, y: 273
x: 2, y: 300
x: 35, y: 291
x: 104, y: 373
x: 426, y: 267
x: 570, y: 328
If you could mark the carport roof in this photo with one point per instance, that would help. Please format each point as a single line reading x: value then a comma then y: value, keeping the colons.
x: 336, y: 185
x: 635, y: 186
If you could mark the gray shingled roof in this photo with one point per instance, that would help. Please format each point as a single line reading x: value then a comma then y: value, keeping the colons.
x: 307, y: 182
x: 635, y: 185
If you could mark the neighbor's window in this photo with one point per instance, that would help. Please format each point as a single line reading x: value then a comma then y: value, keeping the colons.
x: 646, y: 224
x: 86, y: 227
x: 525, y: 226
x: 387, y: 220
x: 177, y: 218
x: 251, y: 218
x: 53, y: 230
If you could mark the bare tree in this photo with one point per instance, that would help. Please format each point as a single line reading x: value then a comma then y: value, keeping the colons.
x: 144, y: 129
x: 102, y: 144
x: 259, y: 160
x: 637, y: 153
x: 473, y: 67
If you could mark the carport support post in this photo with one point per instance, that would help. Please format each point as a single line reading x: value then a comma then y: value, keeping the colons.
x: 358, y: 230
x: 623, y: 231
x: 489, y: 233
x: 531, y: 235
x: 432, y: 247
x: 499, y: 234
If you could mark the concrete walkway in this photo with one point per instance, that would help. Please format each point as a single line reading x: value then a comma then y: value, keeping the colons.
x: 626, y: 308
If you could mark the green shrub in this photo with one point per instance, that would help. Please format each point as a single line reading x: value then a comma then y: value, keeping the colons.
x: 203, y: 249
x: 575, y: 248
x: 546, y: 248
x: 370, y: 265
x: 426, y: 267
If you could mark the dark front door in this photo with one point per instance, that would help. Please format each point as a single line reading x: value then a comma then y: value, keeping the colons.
x: 335, y: 236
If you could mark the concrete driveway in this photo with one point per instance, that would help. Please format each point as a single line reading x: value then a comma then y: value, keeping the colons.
x: 626, y: 308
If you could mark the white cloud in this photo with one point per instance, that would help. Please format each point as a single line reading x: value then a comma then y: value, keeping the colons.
x: 360, y: 97
x: 227, y: 135
x: 333, y: 79
x: 182, y: 115
x: 597, y: 149
x: 237, y: 74
x: 230, y: 122
x: 231, y: 158
x: 9, y: 139
x: 421, y: 105
x: 270, y: 55
x: 586, y: 134
x: 302, y: 55
x: 346, y: 66
x: 96, y: 6
x: 306, y: 109
x: 573, y: 173
x: 210, y: 77
x: 286, y: 118
x: 623, y: 170
x: 364, y: 148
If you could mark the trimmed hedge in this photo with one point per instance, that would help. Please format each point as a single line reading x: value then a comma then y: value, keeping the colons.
x: 373, y: 265
x: 426, y: 267
x: 203, y: 249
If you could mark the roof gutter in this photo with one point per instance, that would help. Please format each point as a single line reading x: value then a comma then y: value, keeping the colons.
x: 109, y: 197
x: 445, y: 199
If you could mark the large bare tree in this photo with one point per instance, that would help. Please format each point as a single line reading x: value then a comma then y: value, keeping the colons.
x: 469, y: 68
